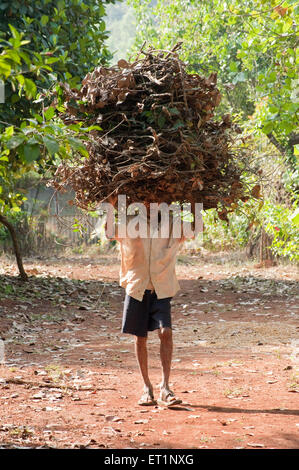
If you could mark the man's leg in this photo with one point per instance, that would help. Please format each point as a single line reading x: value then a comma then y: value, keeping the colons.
x: 141, y: 355
x: 166, y: 347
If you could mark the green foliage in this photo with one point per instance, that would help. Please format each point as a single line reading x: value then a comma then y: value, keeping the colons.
x: 279, y: 221
x: 71, y: 32
x: 42, y: 43
x: 272, y: 37
x: 282, y: 224
x: 220, y: 235
x: 251, y: 44
x: 37, y: 140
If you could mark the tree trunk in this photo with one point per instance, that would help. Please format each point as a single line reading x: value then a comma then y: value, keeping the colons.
x: 17, y: 251
x: 293, y: 140
x: 266, y: 256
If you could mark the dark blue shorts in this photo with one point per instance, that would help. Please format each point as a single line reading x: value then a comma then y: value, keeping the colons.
x: 151, y: 313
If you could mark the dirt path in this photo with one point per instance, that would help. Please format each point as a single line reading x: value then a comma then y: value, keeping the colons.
x: 70, y: 378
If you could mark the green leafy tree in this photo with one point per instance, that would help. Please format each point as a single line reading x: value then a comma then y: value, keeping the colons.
x: 40, y: 43
x: 36, y: 143
x: 251, y: 44
x: 68, y: 36
x: 72, y: 30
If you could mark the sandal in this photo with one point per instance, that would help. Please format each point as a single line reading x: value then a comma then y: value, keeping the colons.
x: 147, y: 399
x: 167, y: 398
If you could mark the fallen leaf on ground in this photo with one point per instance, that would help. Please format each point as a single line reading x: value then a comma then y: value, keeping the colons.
x: 113, y: 418
x: 252, y: 444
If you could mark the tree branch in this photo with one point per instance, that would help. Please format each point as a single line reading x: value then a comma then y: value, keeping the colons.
x: 293, y: 140
x: 275, y: 142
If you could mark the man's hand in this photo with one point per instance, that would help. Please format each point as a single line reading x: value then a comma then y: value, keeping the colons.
x: 193, y: 213
x: 112, y: 200
x: 109, y: 225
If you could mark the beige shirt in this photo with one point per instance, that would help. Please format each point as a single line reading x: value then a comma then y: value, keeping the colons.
x: 149, y: 263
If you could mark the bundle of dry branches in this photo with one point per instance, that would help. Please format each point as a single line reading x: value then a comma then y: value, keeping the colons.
x: 158, y: 140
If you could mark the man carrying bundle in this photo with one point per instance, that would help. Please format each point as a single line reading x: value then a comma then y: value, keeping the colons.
x: 148, y: 256
x: 157, y: 141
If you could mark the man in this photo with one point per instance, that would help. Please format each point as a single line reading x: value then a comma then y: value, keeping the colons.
x: 147, y: 273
